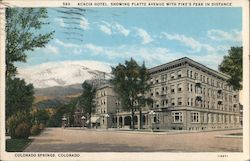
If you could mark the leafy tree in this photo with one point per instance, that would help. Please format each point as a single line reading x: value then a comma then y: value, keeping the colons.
x: 87, y: 97
x: 64, y: 110
x: 22, y: 26
x: 40, y: 116
x: 130, y: 83
x: 232, y: 65
x: 22, y: 35
x: 19, y: 96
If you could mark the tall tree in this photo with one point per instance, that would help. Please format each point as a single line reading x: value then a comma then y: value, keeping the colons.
x: 232, y: 65
x: 22, y: 34
x: 87, y: 97
x: 130, y: 83
x: 19, y: 96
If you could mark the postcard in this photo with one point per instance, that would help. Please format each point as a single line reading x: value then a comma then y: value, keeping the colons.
x: 124, y: 80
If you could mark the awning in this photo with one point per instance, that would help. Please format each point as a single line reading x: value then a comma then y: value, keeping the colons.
x: 94, y: 119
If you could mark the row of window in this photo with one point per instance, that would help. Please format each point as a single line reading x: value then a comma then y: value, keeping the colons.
x: 210, y: 81
x: 101, y: 93
x: 101, y: 110
x: 101, y: 102
x: 164, y: 77
x: 192, y: 88
x: 196, y: 103
x: 195, y: 117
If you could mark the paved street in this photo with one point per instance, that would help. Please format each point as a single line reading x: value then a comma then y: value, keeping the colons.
x: 80, y: 140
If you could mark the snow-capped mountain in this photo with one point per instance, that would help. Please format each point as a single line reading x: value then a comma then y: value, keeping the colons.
x: 63, y: 73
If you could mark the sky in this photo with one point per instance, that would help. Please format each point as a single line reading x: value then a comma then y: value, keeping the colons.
x: 152, y: 35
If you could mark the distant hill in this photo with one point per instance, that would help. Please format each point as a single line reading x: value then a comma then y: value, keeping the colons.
x: 59, y: 91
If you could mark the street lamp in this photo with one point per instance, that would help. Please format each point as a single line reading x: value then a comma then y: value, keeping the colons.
x: 64, y: 119
x: 106, y: 116
x: 151, y: 114
x: 82, y: 120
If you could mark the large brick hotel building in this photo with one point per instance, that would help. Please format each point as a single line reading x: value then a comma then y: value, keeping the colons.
x: 187, y: 96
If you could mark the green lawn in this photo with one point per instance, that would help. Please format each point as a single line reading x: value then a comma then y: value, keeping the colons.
x: 16, y: 145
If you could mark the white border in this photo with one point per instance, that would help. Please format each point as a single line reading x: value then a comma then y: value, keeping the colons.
x: 211, y: 156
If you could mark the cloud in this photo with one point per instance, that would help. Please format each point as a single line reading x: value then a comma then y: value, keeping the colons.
x: 93, y: 48
x: 146, y: 38
x: 84, y: 24
x: 113, y: 28
x: 190, y: 42
x: 66, y: 45
x: 153, y: 56
x: 220, y: 35
x: 121, y: 29
x: 105, y: 29
x: 51, y: 50
x: 61, y: 22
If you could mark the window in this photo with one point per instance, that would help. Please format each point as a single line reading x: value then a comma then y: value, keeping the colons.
x: 179, y: 87
x: 172, y: 88
x: 172, y: 101
x: 162, y: 78
x: 191, y: 87
x: 195, y: 75
x: 172, y: 75
x: 195, y: 117
x: 177, y: 117
x: 179, y: 74
x: 151, y: 80
x: 188, y: 101
x: 179, y: 101
x: 192, y: 100
x: 191, y: 74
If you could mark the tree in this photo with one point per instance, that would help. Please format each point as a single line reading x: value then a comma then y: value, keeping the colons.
x: 232, y: 65
x: 19, y: 96
x: 40, y: 116
x: 130, y: 83
x: 87, y: 97
x: 22, y: 35
x: 22, y: 26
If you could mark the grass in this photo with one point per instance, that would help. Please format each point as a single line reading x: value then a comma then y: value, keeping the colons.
x: 16, y: 145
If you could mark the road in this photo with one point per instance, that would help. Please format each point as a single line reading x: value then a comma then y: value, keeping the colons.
x: 80, y: 140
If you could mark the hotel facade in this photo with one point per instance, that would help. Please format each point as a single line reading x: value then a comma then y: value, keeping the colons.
x: 186, y: 96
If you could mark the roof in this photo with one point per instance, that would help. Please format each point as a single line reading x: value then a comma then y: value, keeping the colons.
x: 191, y: 62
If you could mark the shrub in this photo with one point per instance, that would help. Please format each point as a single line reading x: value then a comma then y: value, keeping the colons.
x: 35, y: 130
x: 22, y: 131
x: 14, y: 121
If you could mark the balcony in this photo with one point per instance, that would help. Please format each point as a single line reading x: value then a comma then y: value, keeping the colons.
x: 219, y: 91
x: 198, y: 83
x: 198, y: 97
x: 163, y: 93
x: 220, y: 102
x: 220, y: 99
